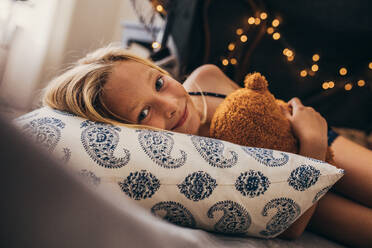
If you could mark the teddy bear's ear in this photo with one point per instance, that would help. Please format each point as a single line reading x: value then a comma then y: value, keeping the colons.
x: 255, y: 81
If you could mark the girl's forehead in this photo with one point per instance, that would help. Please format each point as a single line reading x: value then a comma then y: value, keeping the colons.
x: 129, y: 73
x: 130, y: 67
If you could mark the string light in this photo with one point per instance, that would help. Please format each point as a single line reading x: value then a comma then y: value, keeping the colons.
x: 231, y: 47
x: 343, y: 71
x: 155, y: 45
x: 316, y: 57
x: 348, y: 86
x: 260, y: 18
x: 361, y: 83
x: 263, y: 15
x: 243, y: 38
x: 270, y: 30
x: 287, y: 52
x: 275, y: 23
x: 159, y: 8
x: 311, y: 73
x: 315, y: 67
x: 251, y: 20
x: 239, y: 31
x: 276, y: 36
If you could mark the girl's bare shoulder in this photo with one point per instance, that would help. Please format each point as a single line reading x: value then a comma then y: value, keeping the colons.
x: 210, y: 78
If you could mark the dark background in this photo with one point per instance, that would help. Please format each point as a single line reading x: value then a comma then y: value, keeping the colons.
x: 339, y: 31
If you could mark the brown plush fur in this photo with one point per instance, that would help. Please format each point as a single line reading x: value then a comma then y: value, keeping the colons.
x: 251, y: 116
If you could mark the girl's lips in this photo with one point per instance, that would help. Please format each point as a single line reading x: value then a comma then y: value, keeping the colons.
x: 182, y: 119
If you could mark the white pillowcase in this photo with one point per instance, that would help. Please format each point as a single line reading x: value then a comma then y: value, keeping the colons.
x: 188, y: 180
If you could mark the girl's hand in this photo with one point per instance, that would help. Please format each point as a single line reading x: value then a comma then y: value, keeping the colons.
x: 309, y: 127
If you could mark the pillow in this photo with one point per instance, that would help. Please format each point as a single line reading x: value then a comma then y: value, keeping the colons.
x: 189, y: 180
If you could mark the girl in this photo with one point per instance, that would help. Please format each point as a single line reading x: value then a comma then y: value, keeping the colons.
x: 112, y: 86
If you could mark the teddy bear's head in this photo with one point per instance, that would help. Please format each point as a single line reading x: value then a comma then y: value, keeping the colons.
x: 251, y: 116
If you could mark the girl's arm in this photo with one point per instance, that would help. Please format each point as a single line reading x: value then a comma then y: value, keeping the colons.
x: 311, y: 130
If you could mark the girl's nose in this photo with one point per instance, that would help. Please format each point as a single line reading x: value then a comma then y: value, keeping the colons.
x: 169, y: 105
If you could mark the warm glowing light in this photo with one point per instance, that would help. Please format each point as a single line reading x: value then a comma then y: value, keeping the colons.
x: 225, y: 62
x: 276, y: 36
x: 270, y: 30
x: 231, y: 47
x: 348, y: 86
x: 257, y: 21
x: 275, y: 23
x: 159, y: 8
x: 343, y: 71
x: 263, y: 15
x: 303, y: 73
x: 370, y: 65
x: 251, y: 20
x: 239, y: 31
x: 233, y: 61
x: 361, y: 83
x: 325, y: 85
x: 331, y: 84
x: 315, y: 67
x: 243, y: 38
x: 287, y: 52
x: 316, y: 57
x: 290, y: 58
x: 155, y: 45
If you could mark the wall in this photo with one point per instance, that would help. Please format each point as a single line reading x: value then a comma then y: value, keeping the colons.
x: 53, y: 34
x: 27, y: 52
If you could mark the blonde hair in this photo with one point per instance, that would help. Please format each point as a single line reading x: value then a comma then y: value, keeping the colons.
x: 79, y: 89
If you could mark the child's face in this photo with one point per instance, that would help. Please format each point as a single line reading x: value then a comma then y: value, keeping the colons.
x: 143, y: 95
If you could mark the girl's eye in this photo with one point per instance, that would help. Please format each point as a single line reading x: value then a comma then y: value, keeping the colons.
x: 143, y: 115
x: 159, y: 84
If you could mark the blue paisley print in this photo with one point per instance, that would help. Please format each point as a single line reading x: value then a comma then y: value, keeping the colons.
x: 140, y: 185
x: 212, y: 152
x: 252, y: 183
x: 174, y: 213
x: 63, y: 112
x: 67, y: 155
x: 265, y: 156
x: 321, y: 193
x: 235, y: 219
x: 198, y: 186
x: 303, y: 177
x: 89, y: 177
x: 287, y: 211
x: 100, y: 141
x: 44, y: 131
x: 316, y: 160
x: 158, y: 146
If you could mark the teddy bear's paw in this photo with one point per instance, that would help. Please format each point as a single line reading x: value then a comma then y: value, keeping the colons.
x: 255, y: 81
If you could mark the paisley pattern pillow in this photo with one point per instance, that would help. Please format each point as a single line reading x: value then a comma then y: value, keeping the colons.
x: 188, y: 180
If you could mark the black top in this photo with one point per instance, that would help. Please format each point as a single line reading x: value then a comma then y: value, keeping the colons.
x: 204, y: 93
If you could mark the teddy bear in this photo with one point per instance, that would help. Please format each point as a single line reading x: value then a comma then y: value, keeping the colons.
x: 252, y: 116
